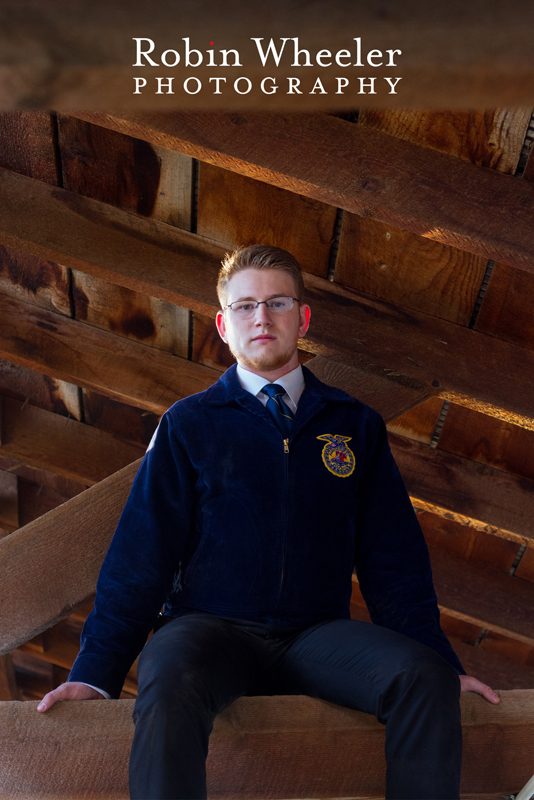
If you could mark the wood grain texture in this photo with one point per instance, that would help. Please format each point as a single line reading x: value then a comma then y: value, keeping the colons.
x: 506, y: 311
x: 495, y: 499
x: 419, y: 423
x: 95, y: 359
x: 42, y: 283
x: 489, y: 441
x: 125, y: 421
x: 131, y: 314
x: 27, y: 144
x: 162, y: 261
x: 63, y: 446
x: 8, y: 684
x: 9, y: 504
x: 525, y: 568
x: 297, y: 746
x: 236, y: 210
x: 29, y: 608
x: 492, y: 138
x: 359, y: 169
x: 38, y: 389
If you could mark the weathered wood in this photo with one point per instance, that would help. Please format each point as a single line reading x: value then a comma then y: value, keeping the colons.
x: 415, y: 349
x: 112, y: 365
x: 484, y: 596
x: 64, y: 446
x: 492, y: 138
x: 407, y: 269
x: 506, y: 311
x: 237, y: 210
x: 420, y: 423
x: 35, y: 281
x: 499, y: 502
x: 8, y: 684
x: 30, y: 607
x: 296, y: 746
x: 39, y: 390
x: 27, y: 144
x: 444, y: 62
x: 130, y: 423
x: 9, y: 506
x: 361, y: 170
x: 491, y: 441
x: 525, y: 568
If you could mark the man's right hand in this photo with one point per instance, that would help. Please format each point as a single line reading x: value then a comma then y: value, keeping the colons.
x: 69, y: 691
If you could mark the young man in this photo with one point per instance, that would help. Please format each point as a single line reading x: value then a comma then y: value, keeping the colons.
x: 253, y: 505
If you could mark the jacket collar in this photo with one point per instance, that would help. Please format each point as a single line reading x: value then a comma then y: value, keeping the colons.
x: 228, y: 389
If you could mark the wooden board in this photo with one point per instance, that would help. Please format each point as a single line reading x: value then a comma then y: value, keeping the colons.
x: 419, y: 423
x: 127, y: 422
x: 125, y: 172
x: 9, y: 504
x: 408, y: 269
x: 236, y: 210
x: 131, y: 314
x: 39, y: 390
x: 506, y: 310
x: 69, y: 564
x: 492, y: 138
x: 489, y: 441
x: 64, y: 446
x: 298, y: 746
x: 8, y: 686
x: 35, y: 281
x: 396, y: 182
x: 112, y: 365
x: 27, y: 144
x: 526, y: 565
x: 473, y: 493
x: 415, y: 349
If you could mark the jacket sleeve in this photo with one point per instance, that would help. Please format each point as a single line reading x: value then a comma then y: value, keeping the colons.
x: 392, y: 560
x: 138, y: 572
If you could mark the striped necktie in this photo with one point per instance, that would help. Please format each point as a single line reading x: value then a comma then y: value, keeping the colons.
x: 282, y: 414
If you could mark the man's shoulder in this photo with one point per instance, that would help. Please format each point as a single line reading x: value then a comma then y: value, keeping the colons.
x: 222, y: 391
x: 334, y: 395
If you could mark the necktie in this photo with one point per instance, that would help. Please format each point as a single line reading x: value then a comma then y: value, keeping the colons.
x: 283, y: 416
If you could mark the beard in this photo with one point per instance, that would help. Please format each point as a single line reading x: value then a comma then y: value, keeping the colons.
x: 263, y: 362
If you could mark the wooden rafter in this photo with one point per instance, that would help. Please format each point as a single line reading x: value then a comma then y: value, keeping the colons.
x: 359, y: 169
x: 409, y: 347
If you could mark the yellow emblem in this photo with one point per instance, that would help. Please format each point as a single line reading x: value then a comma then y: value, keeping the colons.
x: 337, y: 457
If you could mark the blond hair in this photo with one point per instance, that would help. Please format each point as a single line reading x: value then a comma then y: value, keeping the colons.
x: 259, y: 256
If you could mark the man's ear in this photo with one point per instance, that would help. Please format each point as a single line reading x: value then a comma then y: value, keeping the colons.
x: 221, y: 325
x: 304, y: 319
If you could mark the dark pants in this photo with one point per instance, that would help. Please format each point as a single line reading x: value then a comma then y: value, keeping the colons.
x: 198, y: 664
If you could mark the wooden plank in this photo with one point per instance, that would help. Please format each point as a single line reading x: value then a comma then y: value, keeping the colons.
x: 413, y: 348
x: 399, y: 183
x: 127, y: 422
x: 492, y: 138
x: 131, y: 314
x: 297, y: 746
x: 407, y: 269
x: 33, y: 280
x: 125, y: 172
x: 469, y: 543
x: 27, y: 144
x: 39, y: 390
x: 68, y: 563
x: 64, y: 446
x: 112, y: 365
x: 236, y: 210
x: 444, y: 64
x: 493, y: 669
x: 506, y: 311
x: 472, y: 493
x: 9, y: 504
x: 420, y: 423
x: 483, y: 596
x: 8, y: 685
x: 525, y: 568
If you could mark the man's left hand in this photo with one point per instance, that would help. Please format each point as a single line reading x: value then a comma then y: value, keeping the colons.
x: 470, y: 684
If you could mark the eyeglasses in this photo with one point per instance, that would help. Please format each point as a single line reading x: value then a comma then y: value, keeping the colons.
x: 245, y: 309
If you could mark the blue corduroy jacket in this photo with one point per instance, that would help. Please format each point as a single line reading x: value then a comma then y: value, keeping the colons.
x: 226, y: 516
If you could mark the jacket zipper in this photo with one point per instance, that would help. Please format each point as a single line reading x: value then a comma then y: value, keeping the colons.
x: 286, y: 473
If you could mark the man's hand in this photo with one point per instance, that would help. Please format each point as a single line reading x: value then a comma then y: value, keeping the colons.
x: 69, y: 691
x: 470, y: 684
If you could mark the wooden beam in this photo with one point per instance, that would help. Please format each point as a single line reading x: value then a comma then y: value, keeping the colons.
x: 70, y: 564
x: 467, y: 491
x: 9, y: 507
x: 359, y: 169
x: 409, y: 347
x: 444, y: 63
x: 61, y: 445
x: 112, y: 365
x: 8, y: 683
x: 297, y: 746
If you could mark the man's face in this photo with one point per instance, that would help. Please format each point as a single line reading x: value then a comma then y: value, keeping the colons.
x: 267, y: 342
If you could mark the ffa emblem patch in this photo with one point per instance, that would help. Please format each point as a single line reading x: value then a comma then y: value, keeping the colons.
x: 337, y: 457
